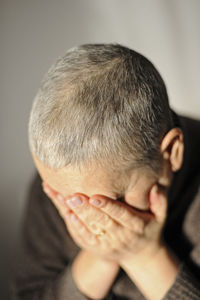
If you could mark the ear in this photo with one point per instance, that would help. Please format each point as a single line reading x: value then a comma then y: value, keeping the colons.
x: 172, y: 148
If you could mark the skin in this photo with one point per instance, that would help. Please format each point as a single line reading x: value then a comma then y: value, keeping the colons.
x: 113, y: 233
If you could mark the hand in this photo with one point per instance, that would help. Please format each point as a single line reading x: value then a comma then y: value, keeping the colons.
x: 133, y: 239
x: 111, y: 228
x: 92, y: 274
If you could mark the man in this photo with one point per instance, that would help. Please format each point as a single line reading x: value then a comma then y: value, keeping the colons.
x: 122, y: 172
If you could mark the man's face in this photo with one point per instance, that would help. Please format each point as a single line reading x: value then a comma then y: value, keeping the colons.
x: 133, y: 188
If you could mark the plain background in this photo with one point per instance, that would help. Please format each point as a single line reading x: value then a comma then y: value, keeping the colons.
x: 35, y: 33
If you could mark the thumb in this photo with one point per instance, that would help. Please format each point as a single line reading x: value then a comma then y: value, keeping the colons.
x: 158, y: 203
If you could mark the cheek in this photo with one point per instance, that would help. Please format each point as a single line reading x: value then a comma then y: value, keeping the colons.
x: 138, y: 196
x: 138, y: 199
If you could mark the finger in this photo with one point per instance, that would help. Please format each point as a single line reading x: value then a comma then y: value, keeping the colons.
x: 121, y: 213
x: 79, y: 231
x: 84, y: 238
x: 56, y: 198
x: 93, y: 218
x: 158, y: 203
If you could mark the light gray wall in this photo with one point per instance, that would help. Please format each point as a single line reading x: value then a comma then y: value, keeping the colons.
x: 35, y: 33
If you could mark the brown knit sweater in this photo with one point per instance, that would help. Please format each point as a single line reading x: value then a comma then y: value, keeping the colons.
x: 44, y: 267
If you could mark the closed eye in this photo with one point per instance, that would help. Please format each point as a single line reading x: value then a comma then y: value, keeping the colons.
x: 120, y: 199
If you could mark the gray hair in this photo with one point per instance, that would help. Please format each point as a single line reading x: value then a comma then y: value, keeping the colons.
x: 101, y: 103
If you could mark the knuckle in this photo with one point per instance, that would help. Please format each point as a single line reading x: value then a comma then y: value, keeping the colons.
x: 99, y: 218
x: 103, y: 219
x: 94, y: 227
x: 111, y: 225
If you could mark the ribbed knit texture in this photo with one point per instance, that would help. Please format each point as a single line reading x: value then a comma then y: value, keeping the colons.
x: 185, y: 286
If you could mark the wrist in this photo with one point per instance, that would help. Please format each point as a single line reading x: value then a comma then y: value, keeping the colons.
x: 93, y: 275
x: 143, y: 257
x: 153, y: 274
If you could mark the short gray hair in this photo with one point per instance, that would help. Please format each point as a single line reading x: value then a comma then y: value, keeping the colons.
x: 100, y: 103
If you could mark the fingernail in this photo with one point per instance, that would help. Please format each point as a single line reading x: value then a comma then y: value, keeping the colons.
x: 95, y: 202
x: 75, y: 201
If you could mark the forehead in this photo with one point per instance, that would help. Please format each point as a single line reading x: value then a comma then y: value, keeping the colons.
x: 91, y: 180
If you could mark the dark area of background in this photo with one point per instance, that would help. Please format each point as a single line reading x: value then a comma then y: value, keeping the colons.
x: 34, y: 33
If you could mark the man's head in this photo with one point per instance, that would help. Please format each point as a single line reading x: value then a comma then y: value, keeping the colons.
x: 105, y: 107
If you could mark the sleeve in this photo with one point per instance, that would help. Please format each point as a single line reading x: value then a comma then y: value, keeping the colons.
x: 43, y: 267
x: 185, y: 287
x: 187, y: 283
